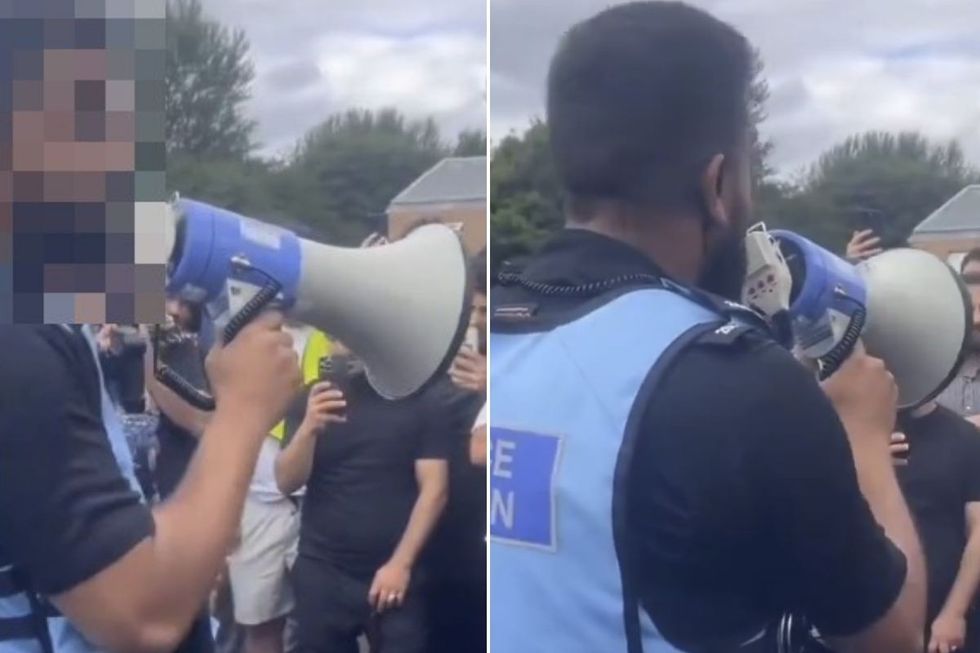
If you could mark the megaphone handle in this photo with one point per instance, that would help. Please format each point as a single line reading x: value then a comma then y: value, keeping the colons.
x: 832, y: 360
x: 176, y: 383
x: 250, y: 310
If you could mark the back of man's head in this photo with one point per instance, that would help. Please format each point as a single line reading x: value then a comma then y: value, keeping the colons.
x: 970, y: 266
x: 640, y: 97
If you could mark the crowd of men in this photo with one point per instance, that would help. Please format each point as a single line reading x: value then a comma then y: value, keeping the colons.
x: 364, y: 518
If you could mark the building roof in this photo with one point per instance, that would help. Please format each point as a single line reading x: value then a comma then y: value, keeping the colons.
x: 960, y: 214
x: 455, y: 179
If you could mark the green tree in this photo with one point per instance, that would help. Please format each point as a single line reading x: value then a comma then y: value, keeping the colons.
x: 901, y: 177
x: 243, y: 186
x: 208, y: 77
x: 525, y: 195
x: 758, y: 97
x: 471, y: 142
x: 346, y: 171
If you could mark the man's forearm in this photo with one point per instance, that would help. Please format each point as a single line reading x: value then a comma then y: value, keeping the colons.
x: 965, y: 587
x: 147, y: 599
x: 295, y: 463
x: 425, y: 514
x: 196, y: 526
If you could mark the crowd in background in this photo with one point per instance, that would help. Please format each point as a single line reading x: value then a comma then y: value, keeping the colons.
x: 937, y: 450
x: 364, y: 523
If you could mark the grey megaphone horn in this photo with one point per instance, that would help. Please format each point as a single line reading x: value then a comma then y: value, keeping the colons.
x: 402, y: 307
x: 908, y: 307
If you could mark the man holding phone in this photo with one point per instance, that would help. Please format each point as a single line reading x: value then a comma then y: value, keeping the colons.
x: 376, y: 483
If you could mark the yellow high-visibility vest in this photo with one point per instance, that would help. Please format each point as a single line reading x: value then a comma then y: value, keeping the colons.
x: 316, y: 348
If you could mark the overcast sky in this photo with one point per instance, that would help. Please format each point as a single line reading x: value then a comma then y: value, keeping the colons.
x: 835, y: 67
x: 317, y: 57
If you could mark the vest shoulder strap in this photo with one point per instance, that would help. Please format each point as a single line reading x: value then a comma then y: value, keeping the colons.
x: 30, y: 626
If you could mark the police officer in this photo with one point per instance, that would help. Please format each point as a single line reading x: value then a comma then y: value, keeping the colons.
x: 664, y: 476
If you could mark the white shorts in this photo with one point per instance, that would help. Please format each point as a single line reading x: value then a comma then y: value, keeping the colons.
x: 258, y: 570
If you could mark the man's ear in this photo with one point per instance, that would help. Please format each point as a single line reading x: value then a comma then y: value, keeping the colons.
x: 712, y: 182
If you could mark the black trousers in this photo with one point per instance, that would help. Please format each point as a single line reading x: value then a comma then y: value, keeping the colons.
x: 457, y: 611
x: 198, y: 639
x: 332, y: 610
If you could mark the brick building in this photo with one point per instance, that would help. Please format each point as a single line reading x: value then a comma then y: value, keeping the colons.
x: 453, y: 191
x: 953, y: 229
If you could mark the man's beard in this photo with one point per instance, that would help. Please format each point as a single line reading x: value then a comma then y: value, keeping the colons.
x: 724, y: 273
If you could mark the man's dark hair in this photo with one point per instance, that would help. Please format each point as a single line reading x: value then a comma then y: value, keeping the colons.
x: 640, y: 97
x: 478, y: 272
x: 422, y: 222
x: 973, y: 256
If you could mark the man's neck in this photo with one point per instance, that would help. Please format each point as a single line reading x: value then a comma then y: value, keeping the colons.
x: 667, y: 241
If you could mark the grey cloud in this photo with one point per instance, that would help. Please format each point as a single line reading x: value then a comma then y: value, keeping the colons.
x: 802, y: 42
x: 287, y: 40
x: 293, y: 75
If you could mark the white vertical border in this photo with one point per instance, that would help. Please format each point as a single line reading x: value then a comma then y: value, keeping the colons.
x: 488, y: 95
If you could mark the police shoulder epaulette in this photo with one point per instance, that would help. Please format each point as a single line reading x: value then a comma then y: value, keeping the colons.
x: 726, y: 334
x: 515, y: 312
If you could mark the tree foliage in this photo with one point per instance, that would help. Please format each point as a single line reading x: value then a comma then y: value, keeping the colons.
x: 900, y: 177
x: 208, y: 77
x: 346, y: 171
x: 525, y: 195
x: 471, y: 142
x: 761, y: 146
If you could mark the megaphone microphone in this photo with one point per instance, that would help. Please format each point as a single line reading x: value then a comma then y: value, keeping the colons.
x: 402, y: 307
x: 908, y: 307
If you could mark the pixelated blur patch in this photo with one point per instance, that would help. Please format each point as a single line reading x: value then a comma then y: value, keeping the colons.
x: 82, y: 145
x: 523, y: 470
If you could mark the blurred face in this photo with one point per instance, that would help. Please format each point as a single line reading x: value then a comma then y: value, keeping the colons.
x: 77, y: 120
x: 727, y: 195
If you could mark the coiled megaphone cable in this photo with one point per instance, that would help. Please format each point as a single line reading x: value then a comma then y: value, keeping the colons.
x: 181, y: 386
x: 832, y: 360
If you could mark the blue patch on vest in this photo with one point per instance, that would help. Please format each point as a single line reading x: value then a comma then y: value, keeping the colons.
x: 523, y: 468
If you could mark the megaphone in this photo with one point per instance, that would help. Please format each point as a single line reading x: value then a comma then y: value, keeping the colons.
x: 908, y: 307
x: 403, y: 307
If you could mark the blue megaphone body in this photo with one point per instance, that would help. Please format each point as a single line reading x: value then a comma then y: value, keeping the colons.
x: 402, y: 307
x: 908, y: 307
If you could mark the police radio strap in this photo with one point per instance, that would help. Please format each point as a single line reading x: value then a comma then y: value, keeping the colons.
x: 731, y: 310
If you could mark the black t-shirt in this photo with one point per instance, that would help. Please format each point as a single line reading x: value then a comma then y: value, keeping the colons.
x: 66, y: 510
x: 941, y: 477
x: 362, y: 487
x: 123, y: 374
x: 743, y: 496
x: 177, y: 446
x: 457, y: 548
